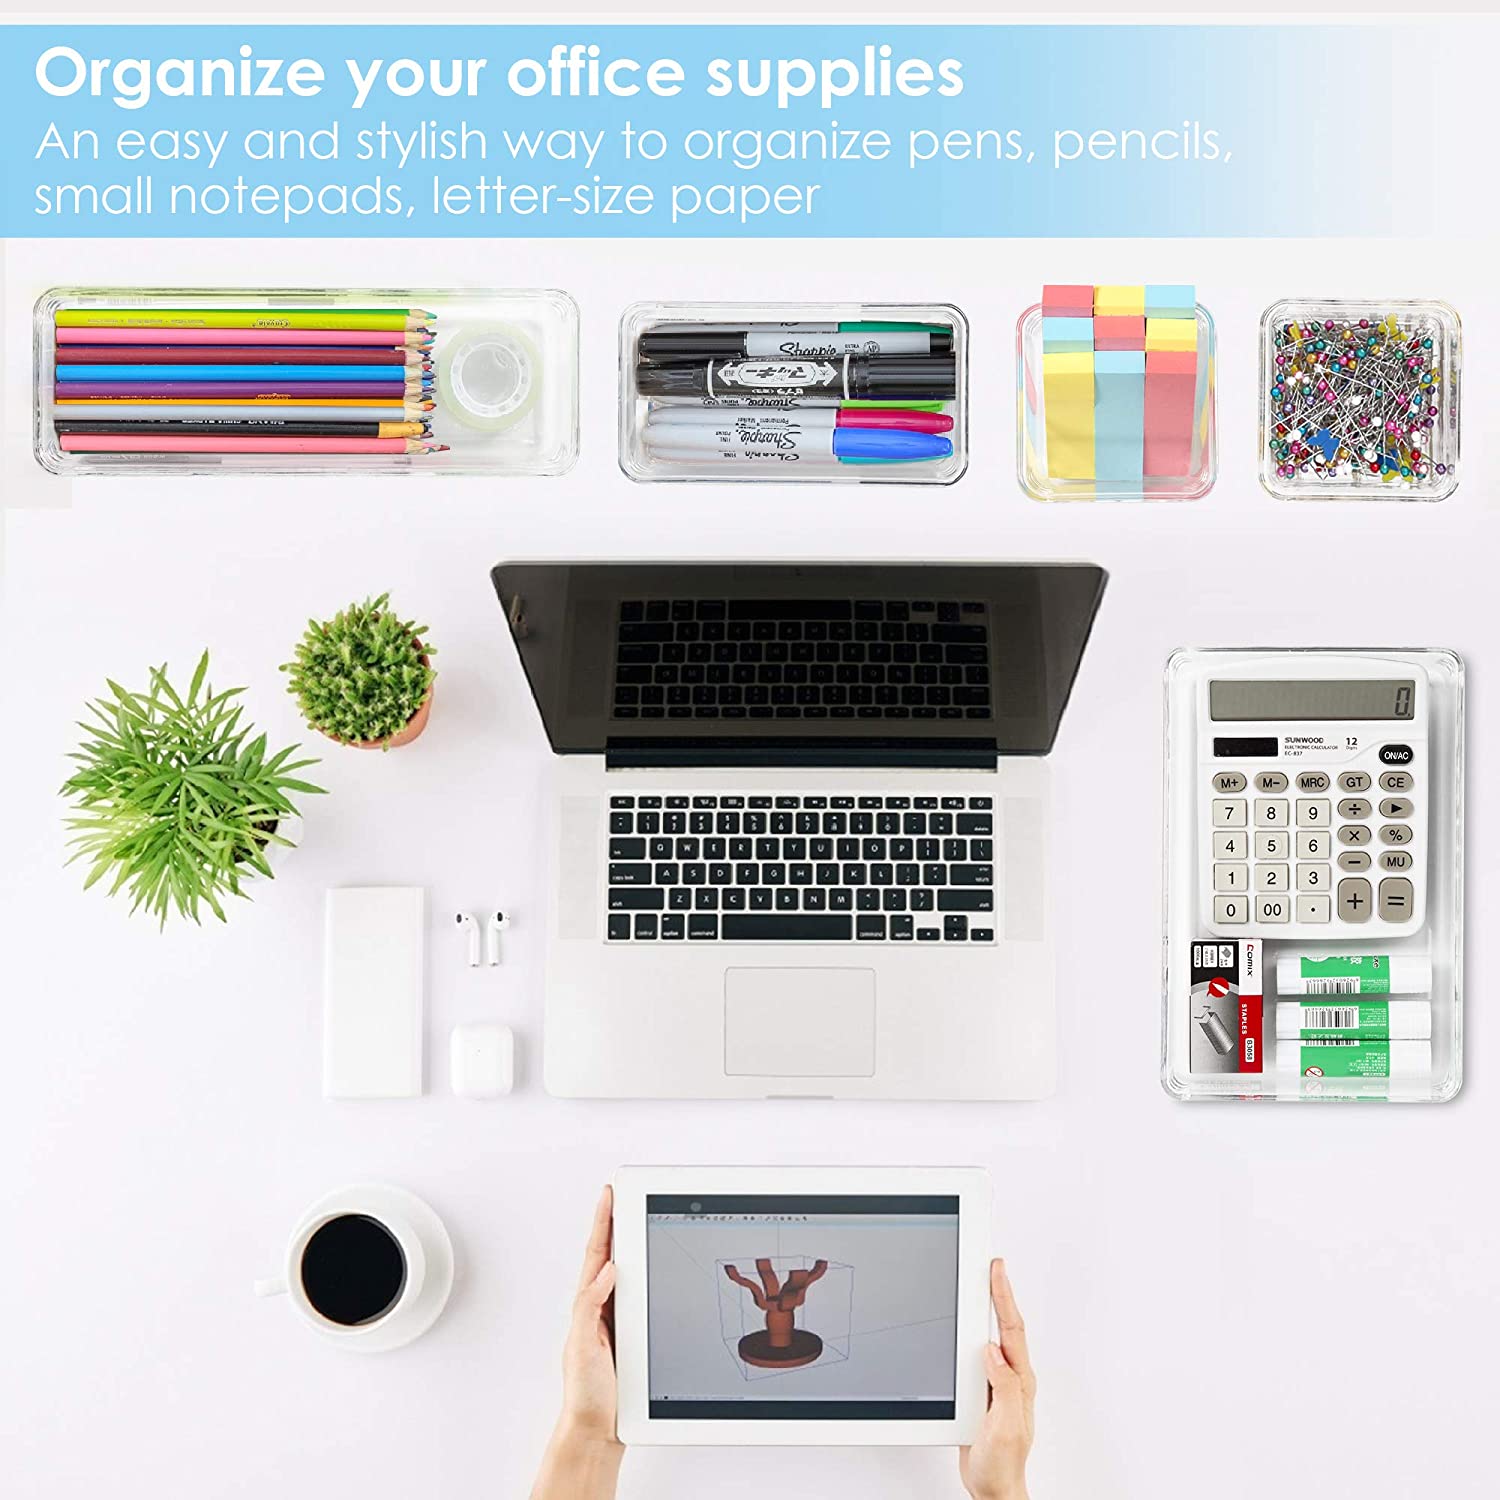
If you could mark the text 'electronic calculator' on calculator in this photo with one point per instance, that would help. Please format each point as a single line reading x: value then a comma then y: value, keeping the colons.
x: 1312, y: 802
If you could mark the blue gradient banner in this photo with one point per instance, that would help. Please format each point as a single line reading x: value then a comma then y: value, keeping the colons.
x: 574, y: 131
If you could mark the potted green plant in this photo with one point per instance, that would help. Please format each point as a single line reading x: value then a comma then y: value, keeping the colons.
x: 175, y: 799
x: 364, y: 678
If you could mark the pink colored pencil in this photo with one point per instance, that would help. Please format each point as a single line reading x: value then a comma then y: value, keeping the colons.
x: 81, y: 443
x: 236, y: 390
x: 383, y: 340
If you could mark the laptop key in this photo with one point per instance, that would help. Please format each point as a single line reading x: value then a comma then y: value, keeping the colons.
x: 645, y: 925
x: 619, y: 928
x: 966, y: 900
x: 956, y: 929
x: 971, y: 875
x: 787, y: 898
x: 901, y: 928
x: 630, y: 874
x: 981, y: 934
x: 632, y: 898
x: 928, y: 934
x: 627, y: 848
x: 869, y: 928
x: 680, y: 899
x: 841, y: 899
x: 760, y: 899
x: 672, y: 925
x: 702, y: 925
x: 622, y: 822
x: 789, y: 927
x: 982, y: 824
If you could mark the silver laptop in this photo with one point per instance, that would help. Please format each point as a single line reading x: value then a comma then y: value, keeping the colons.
x: 800, y: 823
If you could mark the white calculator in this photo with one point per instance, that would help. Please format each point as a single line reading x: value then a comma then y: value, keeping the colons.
x: 1312, y: 796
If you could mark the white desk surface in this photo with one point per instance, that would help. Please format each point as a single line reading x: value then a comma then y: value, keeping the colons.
x: 1227, y: 1299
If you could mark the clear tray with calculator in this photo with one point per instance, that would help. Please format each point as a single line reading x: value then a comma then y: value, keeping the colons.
x: 1314, y: 875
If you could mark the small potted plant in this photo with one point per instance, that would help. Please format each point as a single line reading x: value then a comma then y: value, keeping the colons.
x: 175, y: 799
x: 364, y: 678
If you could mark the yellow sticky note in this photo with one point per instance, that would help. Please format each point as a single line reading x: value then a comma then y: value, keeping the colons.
x: 1172, y: 333
x: 1120, y: 301
x: 1068, y: 400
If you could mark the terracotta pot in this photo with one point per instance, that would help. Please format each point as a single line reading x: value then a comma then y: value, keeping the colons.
x: 414, y: 725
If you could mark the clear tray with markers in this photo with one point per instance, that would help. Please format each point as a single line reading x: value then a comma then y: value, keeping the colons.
x: 132, y: 380
x: 1313, y: 867
x: 841, y: 393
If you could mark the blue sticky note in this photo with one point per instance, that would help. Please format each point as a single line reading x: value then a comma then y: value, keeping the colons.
x: 1171, y: 301
x: 1119, y: 414
x: 1067, y: 335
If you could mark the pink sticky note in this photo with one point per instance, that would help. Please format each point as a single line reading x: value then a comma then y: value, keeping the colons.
x: 1119, y: 335
x: 1171, y: 388
x: 1067, y: 301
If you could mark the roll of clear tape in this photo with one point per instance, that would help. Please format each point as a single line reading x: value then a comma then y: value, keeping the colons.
x: 489, y: 376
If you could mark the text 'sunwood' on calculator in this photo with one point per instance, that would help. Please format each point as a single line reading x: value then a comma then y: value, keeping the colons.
x: 1312, y: 797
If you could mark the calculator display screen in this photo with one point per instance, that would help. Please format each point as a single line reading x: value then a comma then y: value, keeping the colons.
x: 1367, y: 698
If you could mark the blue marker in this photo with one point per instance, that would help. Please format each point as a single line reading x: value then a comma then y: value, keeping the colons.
x: 101, y: 373
x: 674, y: 443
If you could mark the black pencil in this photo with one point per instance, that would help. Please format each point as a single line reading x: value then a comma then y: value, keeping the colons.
x: 269, y: 427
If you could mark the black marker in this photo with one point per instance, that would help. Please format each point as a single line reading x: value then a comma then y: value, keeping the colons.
x: 791, y: 341
x: 863, y: 376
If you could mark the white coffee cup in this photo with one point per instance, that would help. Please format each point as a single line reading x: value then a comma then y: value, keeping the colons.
x: 410, y: 1311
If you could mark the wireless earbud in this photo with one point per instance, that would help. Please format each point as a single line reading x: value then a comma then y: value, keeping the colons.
x: 470, y: 929
x: 496, y: 924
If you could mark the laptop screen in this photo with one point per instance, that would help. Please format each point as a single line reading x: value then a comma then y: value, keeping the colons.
x: 798, y: 1307
x: 756, y: 657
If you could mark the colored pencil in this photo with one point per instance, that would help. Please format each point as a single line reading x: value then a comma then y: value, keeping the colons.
x: 273, y: 373
x: 192, y: 390
x: 91, y: 412
x: 251, y: 337
x: 259, y: 317
x: 233, y: 354
x: 246, y: 445
x: 254, y: 427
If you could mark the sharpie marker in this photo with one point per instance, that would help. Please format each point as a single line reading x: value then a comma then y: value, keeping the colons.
x: 816, y: 419
x: 892, y: 376
x: 805, y: 401
x: 693, y: 444
x: 99, y: 373
x: 792, y: 341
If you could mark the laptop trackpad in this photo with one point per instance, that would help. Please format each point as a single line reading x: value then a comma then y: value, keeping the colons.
x: 799, y: 1023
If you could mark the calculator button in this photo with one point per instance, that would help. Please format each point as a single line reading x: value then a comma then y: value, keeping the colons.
x: 1231, y: 877
x: 1314, y: 781
x: 1314, y: 843
x: 1396, y: 807
x: 1314, y: 878
x: 1271, y: 878
x: 1229, y: 814
x: 1397, y: 781
x: 1354, y: 807
x: 1270, y: 781
x: 1395, y: 899
x: 1354, y: 859
x: 1272, y: 812
x: 1395, y: 755
x: 1355, y: 899
x: 1312, y: 810
x: 1272, y: 845
x: 1395, y: 859
x: 1273, y: 908
x: 1354, y: 834
x: 1395, y: 833
x: 1314, y: 908
x: 1226, y: 782
x: 1231, y: 845
x: 1231, y: 909
x: 1354, y: 781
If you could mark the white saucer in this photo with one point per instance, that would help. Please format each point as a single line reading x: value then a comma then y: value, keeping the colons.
x: 376, y: 1199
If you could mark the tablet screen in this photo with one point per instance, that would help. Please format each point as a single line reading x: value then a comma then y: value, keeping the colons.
x: 772, y: 1307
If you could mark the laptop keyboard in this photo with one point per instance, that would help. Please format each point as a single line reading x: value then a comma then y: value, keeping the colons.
x: 725, y: 868
x: 802, y: 659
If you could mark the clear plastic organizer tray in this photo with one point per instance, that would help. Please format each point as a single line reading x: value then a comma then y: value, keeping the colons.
x: 1359, y: 399
x: 1037, y: 479
x: 711, y: 390
x: 499, y: 369
x: 1314, y: 875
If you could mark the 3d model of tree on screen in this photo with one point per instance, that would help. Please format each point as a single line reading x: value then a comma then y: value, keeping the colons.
x: 780, y: 1345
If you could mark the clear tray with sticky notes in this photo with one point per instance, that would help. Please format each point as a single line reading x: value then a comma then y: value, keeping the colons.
x: 827, y: 392
x: 1115, y: 395
x: 132, y: 380
x: 1313, y: 873
x: 1359, y: 399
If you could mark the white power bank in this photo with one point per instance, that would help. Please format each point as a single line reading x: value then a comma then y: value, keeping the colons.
x: 373, y: 980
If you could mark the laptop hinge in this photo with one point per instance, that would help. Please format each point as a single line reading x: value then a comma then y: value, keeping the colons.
x: 825, y: 752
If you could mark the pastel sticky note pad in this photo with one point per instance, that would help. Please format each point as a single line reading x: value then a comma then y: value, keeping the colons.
x: 1067, y: 301
x: 1067, y: 335
x: 1171, y: 396
x: 1068, y: 396
x: 1119, y: 415
x: 1118, y: 334
x: 1171, y: 333
x: 1171, y: 301
x: 1120, y: 301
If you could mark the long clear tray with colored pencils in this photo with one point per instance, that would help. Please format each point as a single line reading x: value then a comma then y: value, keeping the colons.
x: 416, y: 380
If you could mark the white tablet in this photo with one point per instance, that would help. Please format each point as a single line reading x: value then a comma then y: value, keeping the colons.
x: 801, y: 1305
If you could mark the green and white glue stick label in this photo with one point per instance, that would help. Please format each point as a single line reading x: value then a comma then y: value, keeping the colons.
x: 1353, y: 974
x: 1356, y: 1019
x: 1331, y: 1058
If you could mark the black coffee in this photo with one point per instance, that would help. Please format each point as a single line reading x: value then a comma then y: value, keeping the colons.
x: 353, y: 1270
